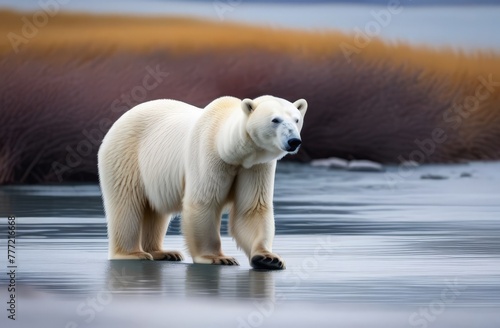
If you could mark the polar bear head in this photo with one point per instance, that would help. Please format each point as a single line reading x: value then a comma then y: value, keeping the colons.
x: 274, y: 124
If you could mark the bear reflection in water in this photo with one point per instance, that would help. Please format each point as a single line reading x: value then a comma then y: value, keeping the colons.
x: 192, y: 280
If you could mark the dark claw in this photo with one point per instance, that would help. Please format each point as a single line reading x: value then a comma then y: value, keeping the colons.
x: 172, y: 257
x: 226, y: 262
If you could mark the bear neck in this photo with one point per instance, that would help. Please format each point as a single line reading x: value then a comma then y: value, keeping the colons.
x: 236, y: 147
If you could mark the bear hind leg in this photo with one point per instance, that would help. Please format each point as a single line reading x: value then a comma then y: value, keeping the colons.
x: 124, y: 230
x: 124, y: 207
x: 154, y: 228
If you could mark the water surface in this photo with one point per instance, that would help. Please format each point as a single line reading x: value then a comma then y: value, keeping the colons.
x: 362, y: 249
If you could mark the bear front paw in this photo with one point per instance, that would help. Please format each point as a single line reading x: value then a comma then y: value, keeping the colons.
x: 267, y: 262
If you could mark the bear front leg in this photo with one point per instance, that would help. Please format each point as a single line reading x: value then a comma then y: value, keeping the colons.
x: 255, y: 234
x: 252, y: 220
x: 201, y: 229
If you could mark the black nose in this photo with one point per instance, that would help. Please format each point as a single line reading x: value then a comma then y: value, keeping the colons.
x: 294, y: 143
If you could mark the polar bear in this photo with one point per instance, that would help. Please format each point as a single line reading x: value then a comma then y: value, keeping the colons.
x: 164, y: 157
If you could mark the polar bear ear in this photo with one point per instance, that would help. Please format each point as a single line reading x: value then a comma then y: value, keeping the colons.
x: 248, y: 106
x: 301, y: 105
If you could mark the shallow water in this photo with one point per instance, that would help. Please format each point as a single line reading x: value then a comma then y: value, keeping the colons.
x: 362, y: 249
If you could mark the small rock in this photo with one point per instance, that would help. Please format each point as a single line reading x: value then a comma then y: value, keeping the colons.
x: 320, y: 162
x: 433, y: 177
x: 465, y: 175
x: 365, y: 166
x: 410, y: 164
x: 338, y: 163
x: 332, y: 162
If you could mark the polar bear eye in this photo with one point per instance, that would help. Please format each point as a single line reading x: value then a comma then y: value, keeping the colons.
x: 276, y: 120
x: 296, y: 120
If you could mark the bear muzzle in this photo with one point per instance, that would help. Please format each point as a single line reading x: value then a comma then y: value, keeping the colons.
x: 293, y: 144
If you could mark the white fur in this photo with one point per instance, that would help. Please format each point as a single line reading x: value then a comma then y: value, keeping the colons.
x: 165, y: 156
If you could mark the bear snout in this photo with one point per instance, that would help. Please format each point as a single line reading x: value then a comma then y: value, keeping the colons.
x: 293, y: 144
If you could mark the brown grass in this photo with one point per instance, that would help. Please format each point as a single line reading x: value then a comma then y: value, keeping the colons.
x: 64, y: 81
x: 99, y: 34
